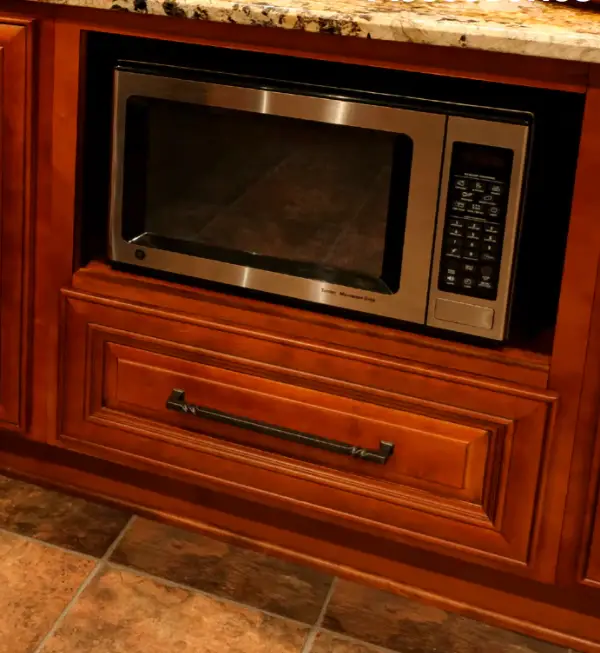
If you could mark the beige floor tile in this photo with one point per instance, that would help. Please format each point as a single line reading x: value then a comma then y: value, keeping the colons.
x: 121, y: 612
x: 36, y: 584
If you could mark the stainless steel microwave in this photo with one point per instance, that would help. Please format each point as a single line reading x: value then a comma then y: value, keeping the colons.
x: 379, y: 204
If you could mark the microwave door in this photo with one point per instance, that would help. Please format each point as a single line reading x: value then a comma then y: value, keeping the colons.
x: 399, y: 223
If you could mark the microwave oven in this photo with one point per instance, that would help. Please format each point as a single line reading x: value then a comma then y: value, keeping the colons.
x: 382, y: 202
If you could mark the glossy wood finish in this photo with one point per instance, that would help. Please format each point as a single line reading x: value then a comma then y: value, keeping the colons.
x: 581, y: 390
x: 494, y: 512
x: 572, y: 337
x: 592, y: 572
x: 463, y: 478
x: 15, y: 161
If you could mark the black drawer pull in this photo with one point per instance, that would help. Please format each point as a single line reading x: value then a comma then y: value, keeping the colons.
x: 177, y: 402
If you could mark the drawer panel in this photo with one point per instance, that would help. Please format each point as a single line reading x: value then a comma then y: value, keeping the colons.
x: 462, y: 478
x: 428, y: 452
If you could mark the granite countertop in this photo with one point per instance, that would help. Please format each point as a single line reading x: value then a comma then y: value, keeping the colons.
x: 531, y: 27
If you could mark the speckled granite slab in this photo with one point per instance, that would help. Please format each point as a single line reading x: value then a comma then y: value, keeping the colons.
x: 531, y: 27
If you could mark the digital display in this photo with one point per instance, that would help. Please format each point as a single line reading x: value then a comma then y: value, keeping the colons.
x: 482, y: 158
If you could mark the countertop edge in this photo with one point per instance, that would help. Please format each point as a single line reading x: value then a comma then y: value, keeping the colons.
x: 371, y: 22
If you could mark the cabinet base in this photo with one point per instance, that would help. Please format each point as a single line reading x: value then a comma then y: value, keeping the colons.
x: 516, y: 604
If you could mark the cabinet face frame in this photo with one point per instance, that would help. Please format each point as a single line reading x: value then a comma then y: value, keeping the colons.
x: 578, y: 566
x: 62, y: 46
x: 592, y: 570
x: 16, y: 134
x: 58, y: 61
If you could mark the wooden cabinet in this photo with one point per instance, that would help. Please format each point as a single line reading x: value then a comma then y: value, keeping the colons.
x: 15, y: 139
x: 253, y: 413
x: 182, y: 404
x: 593, y: 568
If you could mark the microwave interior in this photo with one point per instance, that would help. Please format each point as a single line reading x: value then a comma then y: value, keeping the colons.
x: 310, y: 200
x: 300, y: 197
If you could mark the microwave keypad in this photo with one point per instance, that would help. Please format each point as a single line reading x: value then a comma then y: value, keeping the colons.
x: 474, y: 224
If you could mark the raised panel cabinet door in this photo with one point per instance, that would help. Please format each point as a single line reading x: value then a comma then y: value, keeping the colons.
x: 15, y: 135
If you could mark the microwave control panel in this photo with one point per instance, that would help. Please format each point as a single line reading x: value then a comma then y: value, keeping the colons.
x: 476, y: 204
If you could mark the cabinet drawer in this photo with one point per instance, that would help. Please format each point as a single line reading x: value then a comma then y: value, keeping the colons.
x: 451, y: 464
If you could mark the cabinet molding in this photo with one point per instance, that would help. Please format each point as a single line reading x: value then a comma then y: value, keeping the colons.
x: 15, y: 198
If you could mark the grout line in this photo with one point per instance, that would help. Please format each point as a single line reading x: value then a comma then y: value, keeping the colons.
x: 195, y: 590
x: 100, y: 565
x: 117, y: 540
x: 310, y: 638
x: 50, y: 545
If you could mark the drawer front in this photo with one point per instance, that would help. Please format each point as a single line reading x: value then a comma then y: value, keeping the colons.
x: 449, y: 464
x: 430, y: 453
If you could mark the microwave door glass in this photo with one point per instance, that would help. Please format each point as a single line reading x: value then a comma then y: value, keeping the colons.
x: 303, y: 198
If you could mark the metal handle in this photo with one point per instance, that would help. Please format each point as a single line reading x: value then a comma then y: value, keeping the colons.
x: 176, y: 401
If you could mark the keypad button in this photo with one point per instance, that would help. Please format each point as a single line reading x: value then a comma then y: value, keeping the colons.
x: 488, y: 258
x: 451, y: 268
x: 474, y: 226
x: 485, y: 285
x: 460, y: 184
x: 456, y: 232
x: 453, y: 252
x: 472, y: 245
x: 450, y: 279
x: 496, y: 189
x: 469, y: 268
x: 486, y: 272
x: 492, y: 229
x: 469, y: 255
x: 468, y: 282
x: 458, y: 205
x: 490, y: 248
x: 455, y: 242
x: 466, y: 195
x: 493, y: 211
x: 473, y: 235
x: 478, y: 186
x: 487, y: 198
x: 490, y: 238
x: 458, y: 224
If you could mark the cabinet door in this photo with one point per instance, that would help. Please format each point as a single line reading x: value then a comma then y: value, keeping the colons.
x: 15, y: 134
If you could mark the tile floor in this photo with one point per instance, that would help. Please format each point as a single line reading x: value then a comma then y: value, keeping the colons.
x: 77, y: 577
